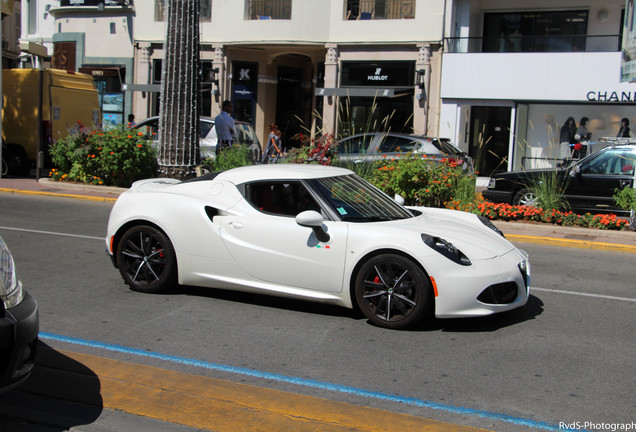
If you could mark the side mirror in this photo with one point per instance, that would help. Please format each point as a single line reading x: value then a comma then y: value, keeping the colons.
x: 399, y: 199
x: 575, y: 171
x: 314, y: 220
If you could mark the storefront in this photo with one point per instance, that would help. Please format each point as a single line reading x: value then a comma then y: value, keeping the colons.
x: 109, y: 80
x: 375, y: 96
x: 512, y: 119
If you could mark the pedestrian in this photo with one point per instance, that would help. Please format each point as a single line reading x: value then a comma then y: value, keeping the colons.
x: 131, y: 121
x: 273, y: 148
x: 582, y: 138
x: 225, y: 129
x: 624, y: 132
x: 568, y: 130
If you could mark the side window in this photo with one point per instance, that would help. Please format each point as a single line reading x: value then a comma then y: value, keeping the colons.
x: 150, y: 130
x: 396, y: 145
x: 355, y: 144
x: 612, y: 162
x: 280, y: 198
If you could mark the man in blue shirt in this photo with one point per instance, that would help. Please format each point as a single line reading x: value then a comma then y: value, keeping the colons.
x: 224, y: 124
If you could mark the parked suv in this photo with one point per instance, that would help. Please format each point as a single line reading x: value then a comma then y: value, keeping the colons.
x: 207, y: 135
x: 19, y: 324
x: 374, y: 146
x: 590, y: 183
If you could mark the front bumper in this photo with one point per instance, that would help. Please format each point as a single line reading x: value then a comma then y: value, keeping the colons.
x: 487, y: 287
x: 19, y: 327
x: 497, y: 196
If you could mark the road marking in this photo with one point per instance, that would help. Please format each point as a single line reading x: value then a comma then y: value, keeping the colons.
x: 571, y: 243
x: 51, y: 233
x: 307, y: 383
x: 209, y: 403
x: 62, y: 195
x: 602, y: 296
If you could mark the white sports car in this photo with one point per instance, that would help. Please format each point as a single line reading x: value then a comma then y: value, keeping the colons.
x: 317, y: 233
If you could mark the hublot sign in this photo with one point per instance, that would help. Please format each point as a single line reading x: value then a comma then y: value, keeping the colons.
x: 372, y: 74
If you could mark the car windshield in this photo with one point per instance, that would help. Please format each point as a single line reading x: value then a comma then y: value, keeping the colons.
x: 356, y: 200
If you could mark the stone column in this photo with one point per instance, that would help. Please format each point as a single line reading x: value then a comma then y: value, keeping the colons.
x: 179, y: 107
x: 330, y: 106
x: 421, y: 102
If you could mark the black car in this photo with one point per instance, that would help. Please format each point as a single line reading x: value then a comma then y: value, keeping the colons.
x: 19, y: 325
x: 590, y: 183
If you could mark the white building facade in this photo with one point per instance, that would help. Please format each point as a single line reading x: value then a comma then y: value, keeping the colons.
x: 514, y: 71
x: 498, y: 77
x: 279, y: 61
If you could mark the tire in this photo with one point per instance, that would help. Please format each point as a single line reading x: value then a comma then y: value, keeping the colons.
x: 146, y: 260
x: 395, y: 281
x: 525, y: 198
x: 5, y: 168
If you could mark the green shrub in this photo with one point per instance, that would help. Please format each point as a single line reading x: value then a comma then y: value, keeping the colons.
x: 236, y: 156
x: 113, y: 157
x: 422, y: 182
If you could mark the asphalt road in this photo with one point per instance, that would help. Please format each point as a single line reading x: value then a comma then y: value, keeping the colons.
x: 567, y: 357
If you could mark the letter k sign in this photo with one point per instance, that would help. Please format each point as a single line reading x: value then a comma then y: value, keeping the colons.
x: 244, y: 75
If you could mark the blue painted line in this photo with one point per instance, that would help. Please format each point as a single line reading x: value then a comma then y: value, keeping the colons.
x: 310, y: 383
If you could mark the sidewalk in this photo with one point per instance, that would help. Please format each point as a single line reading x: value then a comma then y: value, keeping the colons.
x: 586, y: 238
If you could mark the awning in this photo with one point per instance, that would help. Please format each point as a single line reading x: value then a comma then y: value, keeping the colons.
x: 364, y: 91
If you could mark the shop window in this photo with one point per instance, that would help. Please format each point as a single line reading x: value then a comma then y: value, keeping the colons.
x: 205, y: 10
x: 379, y: 9
x: 269, y: 9
x: 558, y: 31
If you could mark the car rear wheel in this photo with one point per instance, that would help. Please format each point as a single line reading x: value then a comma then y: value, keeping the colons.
x: 525, y: 198
x: 392, y: 291
x: 146, y: 260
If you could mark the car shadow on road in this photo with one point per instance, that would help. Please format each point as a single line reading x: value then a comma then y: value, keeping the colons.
x: 275, y: 302
x: 490, y: 323
x: 533, y: 308
x: 59, y: 395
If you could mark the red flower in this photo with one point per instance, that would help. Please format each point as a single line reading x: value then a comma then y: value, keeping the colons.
x: 578, y: 146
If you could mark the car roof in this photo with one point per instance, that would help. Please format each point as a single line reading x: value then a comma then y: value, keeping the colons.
x: 398, y: 134
x: 253, y: 173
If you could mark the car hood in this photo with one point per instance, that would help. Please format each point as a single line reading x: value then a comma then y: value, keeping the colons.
x: 464, y: 230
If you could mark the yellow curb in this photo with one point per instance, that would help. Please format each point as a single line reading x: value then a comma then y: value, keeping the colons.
x: 57, y: 194
x: 580, y: 244
x: 224, y: 406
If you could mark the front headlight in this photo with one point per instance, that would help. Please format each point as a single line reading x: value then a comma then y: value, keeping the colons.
x: 446, y: 248
x: 11, y: 292
x: 492, y: 183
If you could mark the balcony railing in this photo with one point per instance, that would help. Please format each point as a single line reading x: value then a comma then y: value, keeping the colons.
x: 379, y: 9
x: 510, y: 44
x: 269, y: 9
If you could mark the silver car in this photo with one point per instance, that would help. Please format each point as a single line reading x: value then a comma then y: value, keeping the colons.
x: 207, y: 135
x: 374, y: 146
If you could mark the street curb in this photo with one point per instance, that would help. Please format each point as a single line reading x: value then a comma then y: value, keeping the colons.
x: 58, y: 194
x: 545, y: 234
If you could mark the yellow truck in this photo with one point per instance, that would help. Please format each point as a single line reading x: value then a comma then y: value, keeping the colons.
x: 40, y: 106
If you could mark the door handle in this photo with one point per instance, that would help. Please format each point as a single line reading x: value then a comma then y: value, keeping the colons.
x: 236, y: 225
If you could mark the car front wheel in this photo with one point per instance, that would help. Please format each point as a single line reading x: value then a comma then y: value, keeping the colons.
x: 525, y: 198
x: 146, y: 260
x: 392, y: 291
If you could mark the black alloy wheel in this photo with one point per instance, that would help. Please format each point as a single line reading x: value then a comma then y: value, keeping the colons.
x: 146, y: 260
x: 392, y: 291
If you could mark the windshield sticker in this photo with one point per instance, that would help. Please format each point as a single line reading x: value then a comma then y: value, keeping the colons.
x: 342, y: 211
